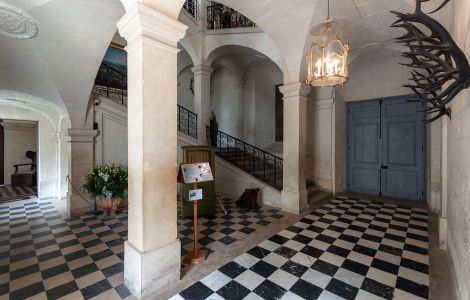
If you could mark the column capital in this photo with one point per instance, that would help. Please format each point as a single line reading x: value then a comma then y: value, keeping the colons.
x: 82, y: 135
x: 202, y: 70
x: 295, y: 90
x: 144, y: 22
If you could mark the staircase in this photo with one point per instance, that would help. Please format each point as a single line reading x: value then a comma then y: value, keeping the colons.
x: 265, y: 166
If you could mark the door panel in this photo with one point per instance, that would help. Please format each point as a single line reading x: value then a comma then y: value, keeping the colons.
x: 386, y: 148
x: 363, y: 147
x: 403, y: 149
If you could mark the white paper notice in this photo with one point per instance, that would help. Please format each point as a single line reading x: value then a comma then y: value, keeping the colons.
x: 195, y: 195
x: 200, y: 172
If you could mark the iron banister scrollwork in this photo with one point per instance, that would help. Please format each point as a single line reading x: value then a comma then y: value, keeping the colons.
x: 112, y: 84
x: 220, y: 16
x: 187, y: 122
x: 440, y: 68
x: 191, y: 7
x: 255, y: 161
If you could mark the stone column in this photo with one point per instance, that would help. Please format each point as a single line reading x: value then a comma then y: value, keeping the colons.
x: 202, y: 100
x: 82, y: 158
x: 294, y: 192
x: 153, y: 251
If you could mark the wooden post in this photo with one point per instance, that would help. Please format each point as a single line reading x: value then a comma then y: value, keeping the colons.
x: 195, y: 257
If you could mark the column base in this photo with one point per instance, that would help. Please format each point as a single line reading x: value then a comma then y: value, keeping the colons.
x: 443, y: 233
x: 294, y: 202
x: 152, y: 274
x: 76, y: 206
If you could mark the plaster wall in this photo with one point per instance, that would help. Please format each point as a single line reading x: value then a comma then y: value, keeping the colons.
x: 340, y: 145
x: 376, y: 75
x: 20, y: 136
x: 458, y: 176
x: 185, y: 95
x: 227, y: 101
x: 320, y: 138
x: 245, y: 104
x: 111, y: 141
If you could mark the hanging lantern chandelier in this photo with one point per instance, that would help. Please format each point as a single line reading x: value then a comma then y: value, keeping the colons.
x: 327, y: 60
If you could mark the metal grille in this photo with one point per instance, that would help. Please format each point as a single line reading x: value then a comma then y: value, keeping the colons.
x: 220, y: 16
x: 191, y: 7
x: 257, y: 162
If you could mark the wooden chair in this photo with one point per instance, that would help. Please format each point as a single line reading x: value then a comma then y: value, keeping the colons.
x: 26, y: 177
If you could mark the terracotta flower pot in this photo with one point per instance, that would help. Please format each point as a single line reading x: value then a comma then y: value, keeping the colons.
x: 108, y: 205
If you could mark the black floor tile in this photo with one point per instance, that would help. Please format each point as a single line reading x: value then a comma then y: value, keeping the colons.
x: 263, y: 268
x: 269, y: 290
x: 233, y: 291
x: 197, y: 291
x: 96, y: 289
x: 412, y: 287
x: 232, y: 269
x: 27, y: 291
x: 306, y: 290
x: 342, y: 289
x: 377, y: 288
x: 62, y: 290
x: 324, y: 267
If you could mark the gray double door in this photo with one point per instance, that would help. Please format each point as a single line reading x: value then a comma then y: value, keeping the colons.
x: 386, y: 153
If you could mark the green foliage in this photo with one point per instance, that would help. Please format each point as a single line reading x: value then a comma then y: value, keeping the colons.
x: 107, y: 181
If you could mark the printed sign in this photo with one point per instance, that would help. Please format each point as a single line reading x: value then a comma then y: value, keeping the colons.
x: 194, y: 173
x: 195, y: 195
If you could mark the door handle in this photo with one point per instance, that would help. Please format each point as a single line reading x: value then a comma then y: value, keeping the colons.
x: 384, y: 167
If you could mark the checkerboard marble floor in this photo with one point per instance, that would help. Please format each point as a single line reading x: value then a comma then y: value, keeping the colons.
x: 347, y: 249
x: 223, y: 230
x: 49, y: 257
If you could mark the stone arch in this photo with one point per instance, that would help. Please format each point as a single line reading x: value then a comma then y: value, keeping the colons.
x: 229, y: 46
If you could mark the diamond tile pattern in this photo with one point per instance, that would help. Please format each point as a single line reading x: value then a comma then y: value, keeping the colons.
x: 347, y: 249
x: 225, y: 229
x: 47, y: 256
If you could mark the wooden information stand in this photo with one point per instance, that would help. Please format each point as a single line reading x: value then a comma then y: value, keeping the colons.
x: 194, y: 174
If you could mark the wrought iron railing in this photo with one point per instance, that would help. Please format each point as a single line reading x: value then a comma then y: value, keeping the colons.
x: 187, y: 122
x: 112, y: 84
x: 191, y: 7
x: 220, y: 16
x: 255, y: 161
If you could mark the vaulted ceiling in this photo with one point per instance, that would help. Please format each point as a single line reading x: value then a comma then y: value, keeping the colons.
x: 60, y: 64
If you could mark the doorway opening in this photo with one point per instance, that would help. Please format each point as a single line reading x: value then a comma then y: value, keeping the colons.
x: 18, y: 160
x: 386, y: 148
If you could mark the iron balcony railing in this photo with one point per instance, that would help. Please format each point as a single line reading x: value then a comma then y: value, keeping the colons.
x: 112, y: 84
x: 220, y: 16
x: 191, y: 7
x: 187, y: 122
x: 255, y: 161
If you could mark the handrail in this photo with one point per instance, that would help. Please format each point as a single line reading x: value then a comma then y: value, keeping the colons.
x: 220, y: 16
x: 106, y: 86
x: 187, y: 122
x: 191, y: 7
x: 255, y: 161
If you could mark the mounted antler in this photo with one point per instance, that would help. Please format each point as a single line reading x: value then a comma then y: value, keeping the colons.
x: 436, y: 59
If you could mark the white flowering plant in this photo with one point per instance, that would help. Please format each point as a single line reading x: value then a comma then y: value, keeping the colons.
x: 107, y: 181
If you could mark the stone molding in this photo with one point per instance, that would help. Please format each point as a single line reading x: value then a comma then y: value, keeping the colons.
x: 202, y: 70
x: 16, y: 23
x: 142, y: 22
x: 81, y: 135
x: 296, y: 90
